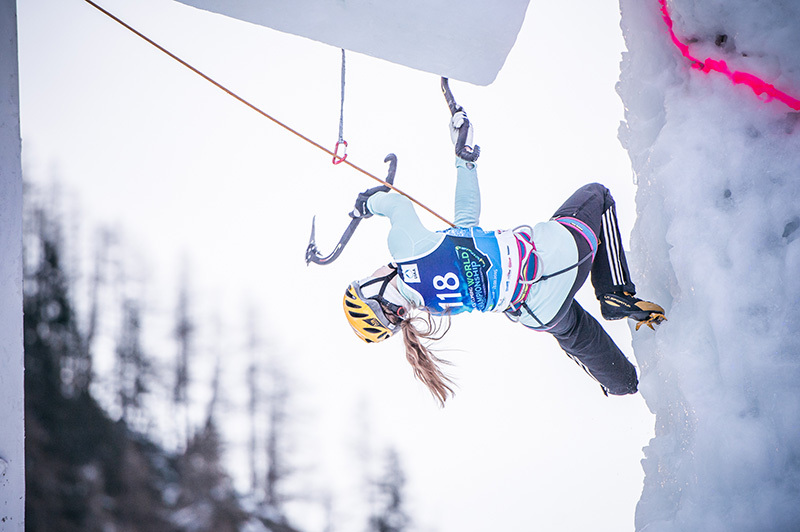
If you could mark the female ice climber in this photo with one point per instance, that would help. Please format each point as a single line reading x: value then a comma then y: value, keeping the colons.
x: 529, y: 273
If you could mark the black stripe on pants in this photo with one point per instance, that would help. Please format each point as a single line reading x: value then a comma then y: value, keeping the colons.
x: 586, y: 342
x: 578, y: 332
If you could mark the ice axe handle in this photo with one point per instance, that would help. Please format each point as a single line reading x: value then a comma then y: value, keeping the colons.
x: 448, y: 95
x: 462, y: 150
x: 312, y: 252
x: 392, y: 160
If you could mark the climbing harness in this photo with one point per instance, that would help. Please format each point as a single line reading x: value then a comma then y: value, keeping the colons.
x: 341, y: 142
x: 514, y: 310
x: 262, y: 113
x: 528, y: 277
x: 528, y: 263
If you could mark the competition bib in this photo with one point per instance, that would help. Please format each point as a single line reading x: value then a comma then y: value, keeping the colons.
x: 464, y: 273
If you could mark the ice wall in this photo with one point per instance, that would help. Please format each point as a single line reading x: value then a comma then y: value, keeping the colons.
x: 716, y: 241
x: 466, y: 40
x: 12, y: 430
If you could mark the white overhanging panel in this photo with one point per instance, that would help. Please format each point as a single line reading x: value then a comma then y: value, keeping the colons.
x: 467, y: 40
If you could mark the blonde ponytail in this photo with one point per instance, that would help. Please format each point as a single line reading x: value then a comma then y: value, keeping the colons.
x: 416, y: 330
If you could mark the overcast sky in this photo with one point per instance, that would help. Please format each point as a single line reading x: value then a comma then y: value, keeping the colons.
x: 193, y: 176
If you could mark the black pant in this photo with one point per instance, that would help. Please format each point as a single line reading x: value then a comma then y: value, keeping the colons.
x: 577, y: 332
x: 593, y: 205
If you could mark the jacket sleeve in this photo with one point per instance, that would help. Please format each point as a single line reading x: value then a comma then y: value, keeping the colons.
x: 407, y: 237
x: 468, y: 194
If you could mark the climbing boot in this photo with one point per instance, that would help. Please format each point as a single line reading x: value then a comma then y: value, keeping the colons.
x: 618, y: 305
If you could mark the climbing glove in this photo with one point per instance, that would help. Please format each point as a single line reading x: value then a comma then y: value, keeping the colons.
x: 360, y: 210
x: 456, y: 121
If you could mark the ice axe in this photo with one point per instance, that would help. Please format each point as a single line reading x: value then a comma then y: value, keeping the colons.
x: 462, y: 150
x: 313, y: 254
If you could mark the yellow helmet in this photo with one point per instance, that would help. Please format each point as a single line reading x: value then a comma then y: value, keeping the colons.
x: 368, y: 315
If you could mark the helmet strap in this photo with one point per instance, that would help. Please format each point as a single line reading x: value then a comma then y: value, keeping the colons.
x: 397, y: 310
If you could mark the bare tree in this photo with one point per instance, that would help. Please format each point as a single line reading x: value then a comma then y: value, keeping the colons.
x: 184, y: 335
x: 253, y: 351
x: 106, y: 239
x: 391, y: 515
x: 278, y: 468
x: 133, y: 368
x: 268, y: 411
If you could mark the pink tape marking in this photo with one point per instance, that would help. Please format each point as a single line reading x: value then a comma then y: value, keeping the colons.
x: 765, y: 91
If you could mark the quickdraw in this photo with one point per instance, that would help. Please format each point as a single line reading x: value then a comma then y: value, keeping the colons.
x: 337, y: 159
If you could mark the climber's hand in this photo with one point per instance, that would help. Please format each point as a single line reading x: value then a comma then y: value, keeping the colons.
x: 360, y: 210
x: 456, y: 121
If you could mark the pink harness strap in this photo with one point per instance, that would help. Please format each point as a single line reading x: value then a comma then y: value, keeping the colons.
x: 528, y: 266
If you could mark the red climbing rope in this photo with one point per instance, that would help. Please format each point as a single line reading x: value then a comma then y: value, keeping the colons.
x: 336, y: 156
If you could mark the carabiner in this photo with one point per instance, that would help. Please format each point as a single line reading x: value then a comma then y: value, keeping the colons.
x: 340, y: 158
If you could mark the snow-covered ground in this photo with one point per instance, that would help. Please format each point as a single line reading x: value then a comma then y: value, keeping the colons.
x: 12, y: 462
x: 716, y: 240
